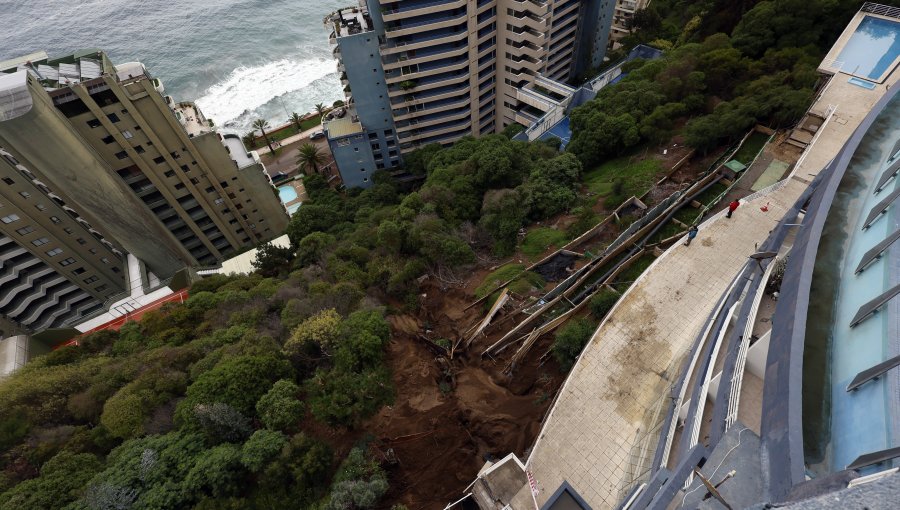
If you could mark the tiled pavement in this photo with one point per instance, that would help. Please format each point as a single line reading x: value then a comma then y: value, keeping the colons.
x: 587, y: 439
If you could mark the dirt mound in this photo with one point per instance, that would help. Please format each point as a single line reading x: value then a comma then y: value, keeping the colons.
x: 448, y: 417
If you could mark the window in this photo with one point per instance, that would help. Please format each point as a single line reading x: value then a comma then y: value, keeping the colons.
x: 93, y: 250
x: 25, y: 230
x: 139, y: 149
x: 68, y: 230
x: 40, y: 241
x: 54, y: 252
x: 55, y: 219
x: 127, y: 134
x: 170, y: 173
x: 104, y: 260
x: 66, y: 262
x: 9, y: 219
x: 81, y: 240
x: 25, y: 194
x: 40, y: 207
x: 158, y: 160
x: 100, y: 288
x: 113, y: 117
x: 93, y: 123
x: 219, y: 200
x: 121, y: 154
x: 108, y: 139
x: 9, y: 181
x: 78, y: 271
x: 91, y: 279
x: 115, y: 269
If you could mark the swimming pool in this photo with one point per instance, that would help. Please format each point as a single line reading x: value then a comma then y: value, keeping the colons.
x: 872, y: 49
x: 287, y: 194
x: 292, y: 209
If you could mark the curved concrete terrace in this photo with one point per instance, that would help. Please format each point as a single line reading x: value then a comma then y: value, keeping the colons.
x: 591, y: 437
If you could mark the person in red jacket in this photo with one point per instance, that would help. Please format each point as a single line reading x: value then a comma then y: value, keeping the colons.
x: 731, y: 207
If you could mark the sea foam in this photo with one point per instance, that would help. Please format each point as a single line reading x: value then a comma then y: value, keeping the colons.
x: 246, y: 89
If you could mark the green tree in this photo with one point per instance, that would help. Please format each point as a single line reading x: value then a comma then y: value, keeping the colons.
x: 279, y: 409
x: 62, y: 480
x: 239, y: 382
x: 602, y: 302
x: 297, y: 119
x: 262, y: 125
x: 570, y: 340
x: 310, y: 158
x: 272, y: 260
x: 262, y: 447
x: 320, y: 108
x: 345, y: 398
x: 217, y: 472
x: 221, y: 422
x: 320, y: 330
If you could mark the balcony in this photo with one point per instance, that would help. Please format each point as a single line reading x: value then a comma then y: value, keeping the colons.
x: 417, y: 125
x: 536, y: 7
x: 416, y: 27
x: 428, y: 135
x: 531, y: 21
x: 396, y: 78
x: 423, y: 42
x: 423, y: 57
x: 535, y: 100
x: 526, y: 35
x: 426, y: 109
x: 419, y: 8
x: 403, y: 99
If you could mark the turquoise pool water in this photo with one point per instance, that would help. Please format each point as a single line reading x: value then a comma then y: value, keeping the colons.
x: 287, y: 194
x: 872, y: 48
x: 862, y: 83
x: 292, y: 209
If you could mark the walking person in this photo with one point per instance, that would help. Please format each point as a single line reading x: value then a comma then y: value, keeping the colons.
x: 692, y: 233
x: 732, y: 206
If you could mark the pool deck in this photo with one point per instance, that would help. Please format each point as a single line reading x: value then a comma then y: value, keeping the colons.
x: 297, y: 184
x: 831, y: 63
x: 590, y: 435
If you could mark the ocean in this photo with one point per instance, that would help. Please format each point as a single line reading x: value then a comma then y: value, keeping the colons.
x: 239, y: 60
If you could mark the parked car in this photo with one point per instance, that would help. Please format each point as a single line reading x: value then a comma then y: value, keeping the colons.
x: 316, y: 135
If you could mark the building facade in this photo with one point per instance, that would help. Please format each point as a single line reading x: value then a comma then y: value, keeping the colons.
x: 418, y: 72
x: 97, y: 162
x: 621, y: 20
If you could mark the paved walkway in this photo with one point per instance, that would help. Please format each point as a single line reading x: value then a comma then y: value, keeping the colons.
x: 588, y: 437
x: 291, y: 139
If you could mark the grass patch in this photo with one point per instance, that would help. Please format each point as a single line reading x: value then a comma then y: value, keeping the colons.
x: 687, y: 215
x: 668, y: 230
x: 497, y: 277
x: 629, y: 275
x: 538, y: 240
x: 286, y: 132
x: 636, y: 178
x: 754, y: 143
x: 711, y: 193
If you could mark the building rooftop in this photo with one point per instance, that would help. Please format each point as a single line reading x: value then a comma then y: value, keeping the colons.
x: 193, y: 120
x: 348, y: 124
x: 349, y: 21
x: 81, y: 66
x: 238, y: 152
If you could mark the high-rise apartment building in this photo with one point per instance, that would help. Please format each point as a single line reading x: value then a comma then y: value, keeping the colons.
x: 621, y: 21
x: 423, y: 71
x: 96, y: 162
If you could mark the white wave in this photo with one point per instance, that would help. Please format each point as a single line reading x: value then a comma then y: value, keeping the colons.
x: 248, y: 88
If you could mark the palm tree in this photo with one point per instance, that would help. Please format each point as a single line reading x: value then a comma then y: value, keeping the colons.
x: 262, y: 125
x: 320, y: 108
x: 310, y: 157
x: 297, y: 119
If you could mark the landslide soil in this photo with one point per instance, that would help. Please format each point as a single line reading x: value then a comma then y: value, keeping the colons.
x: 449, y: 416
